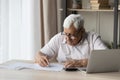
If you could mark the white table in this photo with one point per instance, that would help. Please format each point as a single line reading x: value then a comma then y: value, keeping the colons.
x: 29, y: 74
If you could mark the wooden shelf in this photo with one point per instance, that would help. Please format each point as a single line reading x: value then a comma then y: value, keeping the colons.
x: 60, y: 9
x: 91, y: 10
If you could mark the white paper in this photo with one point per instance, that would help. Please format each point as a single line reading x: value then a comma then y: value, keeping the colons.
x: 20, y: 66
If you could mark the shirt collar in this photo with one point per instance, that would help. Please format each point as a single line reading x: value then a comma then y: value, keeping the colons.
x: 64, y: 41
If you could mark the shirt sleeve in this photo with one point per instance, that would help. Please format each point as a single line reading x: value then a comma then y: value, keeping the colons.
x: 97, y: 42
x: 51, y: 48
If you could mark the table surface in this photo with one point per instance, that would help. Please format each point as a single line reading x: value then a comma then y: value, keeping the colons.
x: 29, y: 74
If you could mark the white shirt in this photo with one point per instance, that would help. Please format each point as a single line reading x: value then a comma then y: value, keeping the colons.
x: 57, y: 46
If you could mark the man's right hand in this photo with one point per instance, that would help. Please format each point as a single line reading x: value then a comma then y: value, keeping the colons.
x: 41, y: 59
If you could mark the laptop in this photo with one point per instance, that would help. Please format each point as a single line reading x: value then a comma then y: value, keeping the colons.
x: 103, y: 61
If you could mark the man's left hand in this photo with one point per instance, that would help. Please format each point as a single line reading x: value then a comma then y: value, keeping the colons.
x: 76, y: 63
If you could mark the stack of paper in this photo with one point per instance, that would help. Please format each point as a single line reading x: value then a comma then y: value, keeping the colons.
x: 20, y: 66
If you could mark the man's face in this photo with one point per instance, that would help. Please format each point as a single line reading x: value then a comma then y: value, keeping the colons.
x: 72, y: 35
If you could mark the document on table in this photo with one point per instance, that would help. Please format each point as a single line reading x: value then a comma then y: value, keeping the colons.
x: 22, y: 65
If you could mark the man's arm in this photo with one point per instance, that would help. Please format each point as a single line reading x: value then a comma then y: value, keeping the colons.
x: 41, y: 59
x: 76, y: 63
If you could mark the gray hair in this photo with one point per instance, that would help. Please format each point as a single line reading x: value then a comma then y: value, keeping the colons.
x: 75, y: 19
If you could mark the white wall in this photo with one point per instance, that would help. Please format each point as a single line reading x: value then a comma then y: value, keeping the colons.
x: 100, y: 22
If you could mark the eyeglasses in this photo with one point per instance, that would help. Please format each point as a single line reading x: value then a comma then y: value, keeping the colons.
x: 71, y: 36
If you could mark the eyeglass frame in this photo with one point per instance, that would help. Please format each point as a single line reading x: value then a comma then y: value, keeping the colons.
x: 72, y: 36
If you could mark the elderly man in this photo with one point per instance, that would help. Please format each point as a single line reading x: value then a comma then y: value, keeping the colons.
x: 72, y: 46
